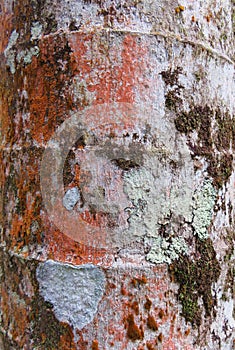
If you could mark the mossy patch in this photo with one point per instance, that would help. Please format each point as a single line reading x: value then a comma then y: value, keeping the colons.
x: 215, y: 129
x: 171, y: 79
x: 195, y: 279
x: 229, y: 284
x: 40, y: 327
x: 213, y: 143
x: 199, y: 119
x: 47, y: 329
x: 8, y: 344
x: 233, y: 16
x: 225, y: 129
x: 220, y: 168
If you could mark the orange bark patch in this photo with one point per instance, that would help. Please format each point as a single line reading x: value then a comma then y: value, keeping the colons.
x: 135, y: 307
x: 66, y: 342
x: 62, y: 248
x: 5, y: 27
x: 95, y: 345
x: 161, y: 314
x: 110, y: 79
x: 48, y: 80
x: 22, y: 189
x: 7, y: 101
x: 97, y: 219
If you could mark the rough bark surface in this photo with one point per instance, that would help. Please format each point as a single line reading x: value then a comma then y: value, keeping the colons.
x: 117, y: 174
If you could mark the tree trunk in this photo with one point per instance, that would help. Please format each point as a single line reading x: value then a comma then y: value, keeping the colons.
x: 117, y: 176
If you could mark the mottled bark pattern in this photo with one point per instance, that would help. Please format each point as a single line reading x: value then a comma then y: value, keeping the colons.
x: 135, y: 250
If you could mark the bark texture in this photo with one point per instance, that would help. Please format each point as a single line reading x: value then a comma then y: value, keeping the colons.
x: 117, y: 176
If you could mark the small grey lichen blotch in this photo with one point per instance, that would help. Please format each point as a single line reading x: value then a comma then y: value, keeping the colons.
x: 73, y: 291
x: 204, y: 201
x: 71, y: 198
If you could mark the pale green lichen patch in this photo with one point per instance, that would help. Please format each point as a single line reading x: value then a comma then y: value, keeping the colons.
x: 204, y: 201
x: 36, y: 31
x: 26, y: 56
x: 167, y: 250
x: 138, y: 184
x: 154, y: 192
x: 22, y: 56
x: 161, y: 193
x: 9, y: 51
x: 150, y: 206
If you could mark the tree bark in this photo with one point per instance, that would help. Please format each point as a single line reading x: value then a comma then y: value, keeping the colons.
x: 117, y: 176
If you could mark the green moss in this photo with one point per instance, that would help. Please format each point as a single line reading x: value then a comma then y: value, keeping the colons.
x: 9, y: 344
x: 229, y: 284
x: 195, y: 278
x: 224, y: 125
x: 199, y: 74
x: 47, y: 330
x: 171, y: 77
x: 199, y: 119
x: 172, y: 100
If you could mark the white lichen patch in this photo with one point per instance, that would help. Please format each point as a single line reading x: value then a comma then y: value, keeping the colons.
x: 73, y: 291
x: 71, y: 198
x: 204, y: 201
x: 165, y: 251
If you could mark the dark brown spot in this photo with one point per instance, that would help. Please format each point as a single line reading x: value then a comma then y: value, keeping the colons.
x: 125, y: 164
x: 147, y: 304
x: 151, y: 323
x: 133, y: 331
